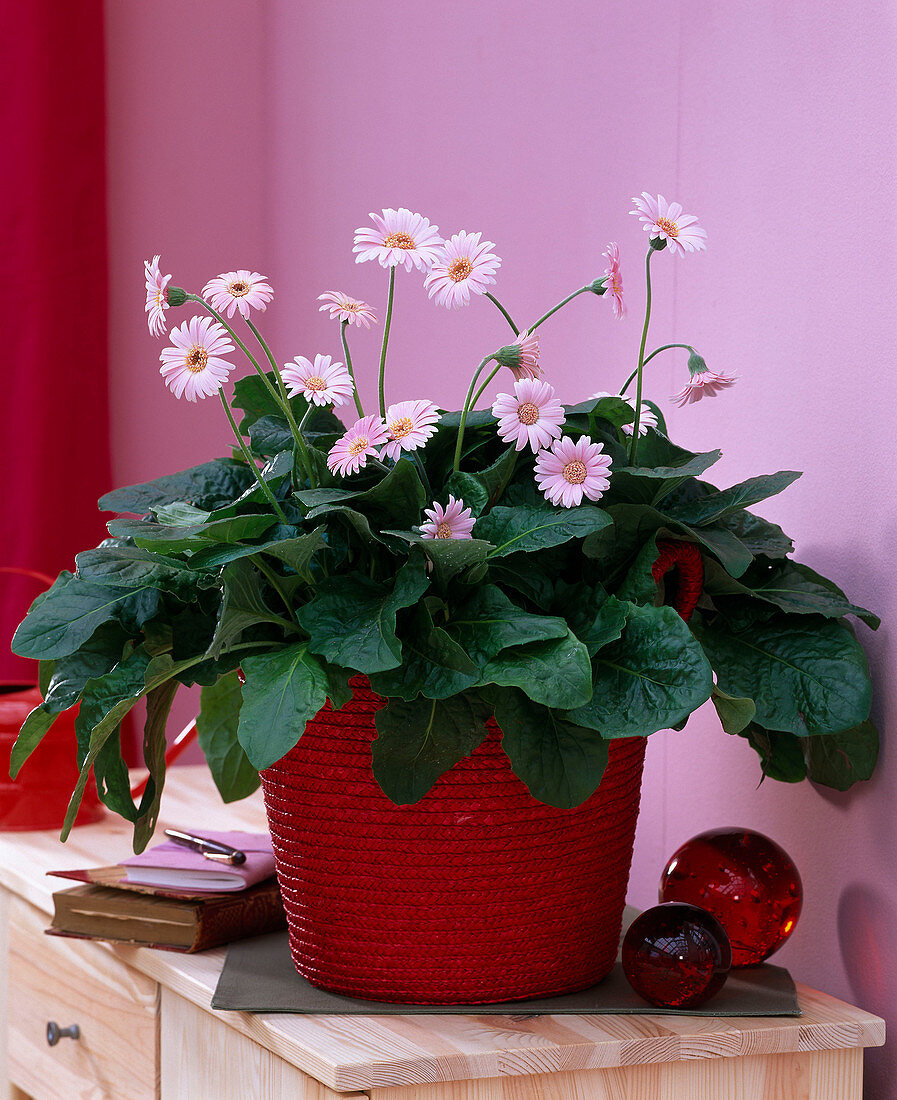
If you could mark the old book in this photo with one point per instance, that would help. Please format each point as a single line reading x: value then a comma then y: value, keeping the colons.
x: 176, y: 924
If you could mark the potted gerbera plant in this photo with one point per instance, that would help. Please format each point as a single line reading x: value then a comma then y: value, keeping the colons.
x: 442, y: 638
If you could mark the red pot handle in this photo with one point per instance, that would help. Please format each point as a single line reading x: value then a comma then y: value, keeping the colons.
x: 684, y: 560
x: 42, y: 577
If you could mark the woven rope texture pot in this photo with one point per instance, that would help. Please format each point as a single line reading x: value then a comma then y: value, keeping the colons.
x: 476, y: 894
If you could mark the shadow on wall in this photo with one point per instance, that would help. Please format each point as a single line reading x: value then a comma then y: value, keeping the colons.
x: 866, y: 922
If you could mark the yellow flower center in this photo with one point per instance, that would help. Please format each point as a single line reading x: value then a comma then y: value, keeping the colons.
x: 238, y: 289
x: 197, y: 359
x: 316, y: 384
x: 398, y: 240
x: 161, y: 299
x: 443, y: 531
x: 460, y: 270
x: 400, y: 428
x: 575, y: 472
x: 358, y: 445
x: 527, y: 413
x: 670, y: 228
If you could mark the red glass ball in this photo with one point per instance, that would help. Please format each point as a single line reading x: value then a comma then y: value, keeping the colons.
x: 746, y: 881
x: 676, y: 956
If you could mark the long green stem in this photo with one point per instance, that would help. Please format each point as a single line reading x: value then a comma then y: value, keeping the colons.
x: 287, y: 407
x: 479, y: 393
x: 386, y: 325
x: 633, y: 447
x: 466, y: 407
x: 266, y: 488
x: 252, y: 359
x: 648, y: 358
x: 342, y: 335
x: 418, y: 461
x: 503, y: 312
x: 560, y: 305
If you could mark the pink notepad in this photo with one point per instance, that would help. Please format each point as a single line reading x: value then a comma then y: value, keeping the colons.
x: 171, y: 866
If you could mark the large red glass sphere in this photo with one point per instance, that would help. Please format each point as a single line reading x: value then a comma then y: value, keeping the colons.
x: 746, y: 881
x: 676, y: 956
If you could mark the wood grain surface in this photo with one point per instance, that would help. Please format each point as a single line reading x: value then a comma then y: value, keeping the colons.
x: 231, y: 1066
x: 116, y: 1056
x: 388, y: 1052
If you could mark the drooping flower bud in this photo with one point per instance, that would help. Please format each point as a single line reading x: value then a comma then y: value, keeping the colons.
x: 696, y: 364
x: 522, y: 356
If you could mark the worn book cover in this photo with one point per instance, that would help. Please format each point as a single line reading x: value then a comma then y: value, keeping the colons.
x: 175, y: 924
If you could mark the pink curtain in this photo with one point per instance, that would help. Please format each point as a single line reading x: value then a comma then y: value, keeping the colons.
x: 54, y: 405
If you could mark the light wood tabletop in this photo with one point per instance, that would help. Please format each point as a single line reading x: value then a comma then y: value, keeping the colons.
x: 393, y: 1057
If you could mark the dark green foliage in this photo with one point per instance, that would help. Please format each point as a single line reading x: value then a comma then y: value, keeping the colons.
x: 548, y: 618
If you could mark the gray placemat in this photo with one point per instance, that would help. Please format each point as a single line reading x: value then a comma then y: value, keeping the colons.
x: 259, y: 976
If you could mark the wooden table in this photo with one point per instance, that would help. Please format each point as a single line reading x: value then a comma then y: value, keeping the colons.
x: 147, y: 1029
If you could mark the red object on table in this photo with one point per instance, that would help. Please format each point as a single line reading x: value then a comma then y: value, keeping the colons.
x: 476, y: 893
x: 676, y: 956
x: 39, y: 796
x: 747, y: 881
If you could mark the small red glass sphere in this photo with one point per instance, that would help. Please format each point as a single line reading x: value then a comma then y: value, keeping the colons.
x: 676, y: 955
x: 746, y: 881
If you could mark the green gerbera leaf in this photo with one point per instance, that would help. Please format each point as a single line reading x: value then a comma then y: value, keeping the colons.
x: 418, y: 741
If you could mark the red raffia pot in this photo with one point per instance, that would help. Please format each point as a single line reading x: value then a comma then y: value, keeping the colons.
x: 476, y: 894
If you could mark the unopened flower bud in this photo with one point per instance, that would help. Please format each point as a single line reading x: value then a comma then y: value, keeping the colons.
x: 508, y: 356
x: 696, y: 364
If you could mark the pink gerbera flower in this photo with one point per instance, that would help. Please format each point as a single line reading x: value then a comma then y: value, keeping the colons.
x: 466, y: 265
x: 238, y: 290
x: 531, y: 415
x: 452, y: 522
x: 706, y: 384
x: 344, y: 308
x: 647, y: 419
x: 409, y: 424
x: 570, y: 471
x: 522, y: 356
x: 193, y: 366
x: 156, y: 296
x: 666, y: 220
x: 352, y: 450
x: 614, y: 284
x: 321, y: 382
x: 399, y: 237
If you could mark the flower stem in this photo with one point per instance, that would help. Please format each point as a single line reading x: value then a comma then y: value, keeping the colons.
x: 467, y: 406
x: 503, y: 312
x: 266, y: 488
x: 560, y: 305
x: 418, y: 461
x: 479, y: 393
x: 252, y: 359
x: 386, y: 325
x: 287, y: 407
x: 342, y: 335
x: 633, y: 447
x: 648, y: 358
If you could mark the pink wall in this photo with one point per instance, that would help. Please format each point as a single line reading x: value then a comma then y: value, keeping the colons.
x: 279, y: 127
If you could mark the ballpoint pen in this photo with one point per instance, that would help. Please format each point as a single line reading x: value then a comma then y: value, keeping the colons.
x: 210, y: 849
